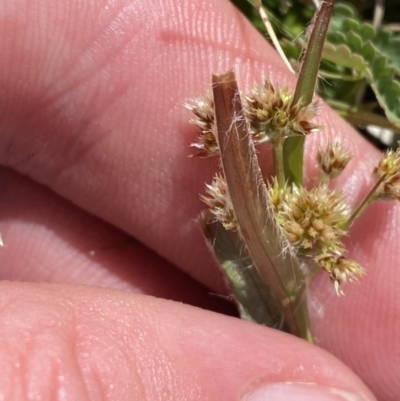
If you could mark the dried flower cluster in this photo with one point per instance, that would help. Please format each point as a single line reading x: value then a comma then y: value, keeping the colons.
x: 332, y: 161
x: 313, y: 221
x: 218, y: 201
x: 388, y: 174
x: 269, y: 112
x: 312, y: 218
x: 339, y: 268
x: 203, y: 109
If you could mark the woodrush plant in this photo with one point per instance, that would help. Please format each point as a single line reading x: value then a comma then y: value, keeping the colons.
x: 272, y: 238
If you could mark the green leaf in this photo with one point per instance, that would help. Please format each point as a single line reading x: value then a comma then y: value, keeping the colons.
x: 375, y: 55
x: 341, y: 11
x: 386, y: 88
x: 254, y: 299
x: 389, y: 44
x: 293, y: 148
x: 342, y: 55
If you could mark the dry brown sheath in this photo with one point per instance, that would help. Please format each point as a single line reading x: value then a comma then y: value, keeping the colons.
x: 280, y: 270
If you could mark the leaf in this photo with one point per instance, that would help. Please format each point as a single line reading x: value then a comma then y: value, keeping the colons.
x: 291, y: 49
x: 343, y: 55
x: 379, y: 51
x: 389, y: 45
x: 255, y: 301
x: 279, y: 269
x: 386, y: 88
x: 293, y: 148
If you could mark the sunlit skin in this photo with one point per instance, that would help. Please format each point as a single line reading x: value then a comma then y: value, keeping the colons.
x: 94, y: 144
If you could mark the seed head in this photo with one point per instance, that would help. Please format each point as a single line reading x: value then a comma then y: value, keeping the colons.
x: 340, y: 269
x: 333, y: 160
x: 271, y: 112
x: 203, y: 109
x: 388, y: 171
x: 312, y: 220
x: 219, y: 202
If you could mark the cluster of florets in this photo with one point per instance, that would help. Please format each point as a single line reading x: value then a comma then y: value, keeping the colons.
x: 332, y: 161
x: 203, y: 109
x: 339, y: 268
x: 312, y: 218
x: 269, y: 111
x: 313, y: 221
x: 219, y: 202
x: 387, y: 173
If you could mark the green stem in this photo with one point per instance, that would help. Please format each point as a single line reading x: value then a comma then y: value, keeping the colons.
x: 294, y: 146
x: 359, y: 210
x: 312, y: 58
x: 277, y: 154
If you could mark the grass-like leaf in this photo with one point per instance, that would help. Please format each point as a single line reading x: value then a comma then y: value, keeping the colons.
x: 254, y: 300
x: 293, y: 148
x: 279, y: 269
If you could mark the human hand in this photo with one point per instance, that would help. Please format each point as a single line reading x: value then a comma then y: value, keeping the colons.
x: 91, y: 108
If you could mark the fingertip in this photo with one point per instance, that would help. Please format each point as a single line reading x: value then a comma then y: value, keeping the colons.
x: 91, y: 342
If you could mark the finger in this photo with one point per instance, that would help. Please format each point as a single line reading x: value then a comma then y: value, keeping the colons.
x: 47, y: 239
x: 100, y: 112
x: 105, y: 126
x: 364, y: 325
x: 84, y: 343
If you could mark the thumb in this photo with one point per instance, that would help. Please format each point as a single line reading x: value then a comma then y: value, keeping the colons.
x: 86, y: 343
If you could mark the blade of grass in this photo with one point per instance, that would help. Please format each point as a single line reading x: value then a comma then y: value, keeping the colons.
x: 268, y: 26
x: 279, y: 268
x: 254, y: 299
x: 293, y: 148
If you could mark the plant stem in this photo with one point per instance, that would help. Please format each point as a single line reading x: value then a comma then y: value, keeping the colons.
x: 293, y: 149
x: 371, y: 197
x: 277, y: 154
x: 306, y: 83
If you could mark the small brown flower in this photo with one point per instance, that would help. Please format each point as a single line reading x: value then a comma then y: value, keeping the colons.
x: 203, y: 109
x: 340, y: 269
x: 219, y: 202
x: 388, y: 172
x: 333, y: 160
x: 271, y: 112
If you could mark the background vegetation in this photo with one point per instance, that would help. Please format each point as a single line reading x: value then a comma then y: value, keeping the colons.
x: 360, y: 67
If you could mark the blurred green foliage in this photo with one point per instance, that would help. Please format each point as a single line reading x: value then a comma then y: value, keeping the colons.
x: 360, y: 66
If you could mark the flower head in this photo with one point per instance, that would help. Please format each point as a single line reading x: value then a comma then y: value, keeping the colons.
x: 340, y: 269
x: 333, y: 160
x: 219, y: 202
x: 388, y: 172
x: 203, y: 109
x: 311, y: 220
x: 271, y: 112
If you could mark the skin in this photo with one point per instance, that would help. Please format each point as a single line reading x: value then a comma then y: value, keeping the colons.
x: 94, y: 151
